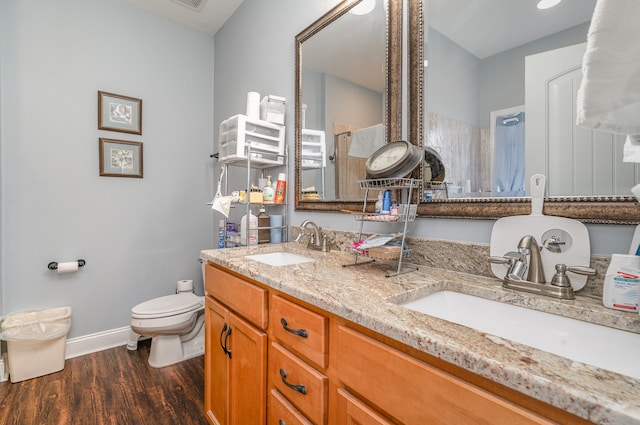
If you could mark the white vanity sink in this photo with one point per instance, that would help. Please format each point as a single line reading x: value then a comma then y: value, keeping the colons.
x: 280, y: 258
x: 596, y: 345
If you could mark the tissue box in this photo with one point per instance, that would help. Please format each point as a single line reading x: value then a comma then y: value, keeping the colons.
x: 272, y: 109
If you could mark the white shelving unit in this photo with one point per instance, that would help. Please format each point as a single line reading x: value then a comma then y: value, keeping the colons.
x: 314, y: 153
x: 406, y: 214
x: 258, y: 147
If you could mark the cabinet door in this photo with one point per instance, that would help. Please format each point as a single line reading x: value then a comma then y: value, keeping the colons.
x: 352, y: 411
x: 216, y: 371
x: 248, y: 373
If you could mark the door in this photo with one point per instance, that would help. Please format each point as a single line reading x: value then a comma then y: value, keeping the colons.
x: 576, y: 160
x: 247, y: 373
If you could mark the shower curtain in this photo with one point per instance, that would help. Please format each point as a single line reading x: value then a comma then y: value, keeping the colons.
x: 509, y: 155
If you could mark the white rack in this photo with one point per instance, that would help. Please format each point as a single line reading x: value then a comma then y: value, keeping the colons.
x: 407, y: 213
x: 248, y: 160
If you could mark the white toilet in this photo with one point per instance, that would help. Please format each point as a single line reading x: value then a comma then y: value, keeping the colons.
x: 175, y: 324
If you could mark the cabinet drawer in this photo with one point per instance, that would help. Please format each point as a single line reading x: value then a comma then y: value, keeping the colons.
x: 239, y: 295
x: 414, y: 392
x: 281, y: 412
x: 300, y: 330
x: 287, y: 371
x: 353, y: 411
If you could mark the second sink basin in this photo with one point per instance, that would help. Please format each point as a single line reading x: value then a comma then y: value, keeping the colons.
x: 280, y: 258
x: 596, y: 345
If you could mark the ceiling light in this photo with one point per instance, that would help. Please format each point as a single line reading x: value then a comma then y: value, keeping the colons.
x: 364, y: 7
x: 546, y: 4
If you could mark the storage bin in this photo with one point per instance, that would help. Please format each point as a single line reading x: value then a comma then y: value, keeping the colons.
x: 36, y: 342
x: 272, y: 109
x: 240, y: 137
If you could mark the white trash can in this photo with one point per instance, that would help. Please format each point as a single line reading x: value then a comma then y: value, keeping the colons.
x: 36, y: 342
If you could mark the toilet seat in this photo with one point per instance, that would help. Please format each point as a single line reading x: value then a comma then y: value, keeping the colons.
x: 168, y: 305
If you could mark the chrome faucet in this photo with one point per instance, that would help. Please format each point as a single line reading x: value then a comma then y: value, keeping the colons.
x: 316, y: 241
x: 528, y: 260
x: 529, y: 247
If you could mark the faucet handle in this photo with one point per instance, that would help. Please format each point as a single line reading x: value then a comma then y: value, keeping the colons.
x: 561, y: 278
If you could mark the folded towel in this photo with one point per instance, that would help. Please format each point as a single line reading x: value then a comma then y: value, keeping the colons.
x: 366, y: 141
x: 609, y: 95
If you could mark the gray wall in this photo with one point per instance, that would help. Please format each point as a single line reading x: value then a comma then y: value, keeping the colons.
x: 138, y: 236
x: 461, y: 86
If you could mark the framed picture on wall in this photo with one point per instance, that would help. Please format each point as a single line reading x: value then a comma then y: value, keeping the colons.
x: 120, y: 158
x: 119, y: 113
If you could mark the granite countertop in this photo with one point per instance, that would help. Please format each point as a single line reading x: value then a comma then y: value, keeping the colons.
x: 364, y: 296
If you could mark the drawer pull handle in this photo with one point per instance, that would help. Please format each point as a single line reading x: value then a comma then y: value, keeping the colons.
x: 299, y: 332
x: 281, y: 422
x: 223, y: 345
x: 226, y: 337
x: 299, y: 388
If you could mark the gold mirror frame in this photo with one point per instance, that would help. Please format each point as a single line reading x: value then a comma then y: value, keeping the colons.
x: 592, y: 209
x: 393, y: 103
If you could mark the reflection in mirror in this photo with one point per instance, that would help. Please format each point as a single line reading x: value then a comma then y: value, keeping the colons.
x: 343, y: 85
x: 501, y: 86
x: 342, y: 106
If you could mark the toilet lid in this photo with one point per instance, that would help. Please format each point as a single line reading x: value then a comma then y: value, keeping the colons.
x: 168, y: 305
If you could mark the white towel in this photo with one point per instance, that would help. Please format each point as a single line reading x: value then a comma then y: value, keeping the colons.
x: 366, y: 141
x: 609, y: 95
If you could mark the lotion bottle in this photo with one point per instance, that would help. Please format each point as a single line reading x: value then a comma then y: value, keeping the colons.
x: 267, y: 191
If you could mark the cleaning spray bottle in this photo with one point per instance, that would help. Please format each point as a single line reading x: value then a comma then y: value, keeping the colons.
x: 281, y: 188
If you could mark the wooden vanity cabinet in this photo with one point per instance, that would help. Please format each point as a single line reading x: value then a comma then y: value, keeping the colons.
x: 235, y: 352
x: 350, y: 375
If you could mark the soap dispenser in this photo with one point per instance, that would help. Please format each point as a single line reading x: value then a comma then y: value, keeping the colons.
x: 268, y: 191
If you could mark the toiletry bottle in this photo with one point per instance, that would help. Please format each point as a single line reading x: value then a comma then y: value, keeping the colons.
x: 386, y: 202
x: 267, y: 191
x: 221, y: 235
x: 264, y: 221
x: 248, y: 230
x: 281, y: 188
x: 378, y: 209
x: 621, y: 287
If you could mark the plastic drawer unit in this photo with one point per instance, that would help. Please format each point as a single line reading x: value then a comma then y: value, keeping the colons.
x: 241, y: 138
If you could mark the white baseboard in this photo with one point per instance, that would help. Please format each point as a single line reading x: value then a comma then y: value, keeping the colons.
x: 79, y: 346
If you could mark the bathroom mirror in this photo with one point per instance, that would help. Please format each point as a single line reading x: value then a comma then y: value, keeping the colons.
x: 348, y: 84
x: 486, y: 67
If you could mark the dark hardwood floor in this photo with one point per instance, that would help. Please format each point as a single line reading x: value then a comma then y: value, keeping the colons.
x: 113, y: 386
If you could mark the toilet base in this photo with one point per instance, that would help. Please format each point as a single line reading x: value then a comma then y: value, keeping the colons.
x: 169, y: 349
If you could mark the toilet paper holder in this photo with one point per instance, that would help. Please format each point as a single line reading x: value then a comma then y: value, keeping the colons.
x: 54, y: 264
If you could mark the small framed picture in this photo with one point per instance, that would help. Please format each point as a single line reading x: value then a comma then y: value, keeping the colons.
x: 120, y: 158
x: 119, y: 113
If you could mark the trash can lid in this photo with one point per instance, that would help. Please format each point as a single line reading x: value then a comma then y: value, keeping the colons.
x: 168, y: 305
